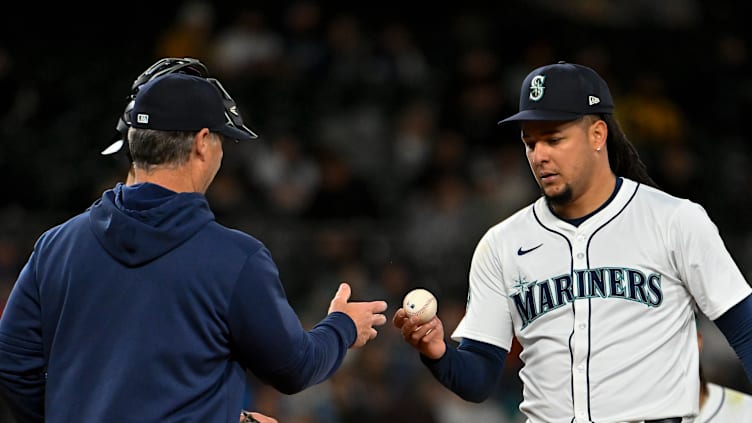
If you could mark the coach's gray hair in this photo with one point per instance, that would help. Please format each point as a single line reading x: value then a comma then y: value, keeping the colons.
x: 623, y: 155
x: 151, y: 148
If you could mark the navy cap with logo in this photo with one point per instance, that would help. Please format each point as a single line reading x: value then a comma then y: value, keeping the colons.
x: 562, y: 91
x: 182, y: 102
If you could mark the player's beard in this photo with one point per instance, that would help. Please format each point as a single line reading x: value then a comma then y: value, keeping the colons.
x: 563, y: 197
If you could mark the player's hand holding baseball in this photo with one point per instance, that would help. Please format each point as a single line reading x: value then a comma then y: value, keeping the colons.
x: 366, y: 315
x: 427, y: 338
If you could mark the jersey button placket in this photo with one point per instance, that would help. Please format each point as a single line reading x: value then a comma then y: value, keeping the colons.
x: 580, y: 341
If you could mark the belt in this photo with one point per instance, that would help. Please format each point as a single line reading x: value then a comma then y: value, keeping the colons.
x: 666, y: 420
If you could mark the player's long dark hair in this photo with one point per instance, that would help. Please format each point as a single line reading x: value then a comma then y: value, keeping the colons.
x: 623, y: 156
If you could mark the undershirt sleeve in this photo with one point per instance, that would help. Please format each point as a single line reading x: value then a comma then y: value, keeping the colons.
x: 472, y: 370
x: 736, y: 325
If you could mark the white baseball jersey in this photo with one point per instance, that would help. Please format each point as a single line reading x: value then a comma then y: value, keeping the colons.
x: 605, y: 312
x: 725, y: 405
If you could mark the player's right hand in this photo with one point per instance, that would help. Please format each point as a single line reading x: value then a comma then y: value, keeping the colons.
x: 427, y: 338
x: 365, y: 315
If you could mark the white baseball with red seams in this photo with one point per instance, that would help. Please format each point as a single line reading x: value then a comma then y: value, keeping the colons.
x: 420, y: 302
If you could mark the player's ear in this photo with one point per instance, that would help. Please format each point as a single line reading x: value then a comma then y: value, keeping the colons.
x: 597, y: 133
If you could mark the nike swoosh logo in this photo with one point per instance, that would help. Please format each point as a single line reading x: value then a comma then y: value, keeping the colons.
x: 522, y: 252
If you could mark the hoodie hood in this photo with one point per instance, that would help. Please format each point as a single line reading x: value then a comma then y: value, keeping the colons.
x: 138, y: 223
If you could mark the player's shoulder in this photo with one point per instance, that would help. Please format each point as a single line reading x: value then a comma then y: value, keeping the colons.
x: 650, y: 192
x: 518, y: 222
x: 658, y: 200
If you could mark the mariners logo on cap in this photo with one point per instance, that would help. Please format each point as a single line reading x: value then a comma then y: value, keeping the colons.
x: 537, y: 88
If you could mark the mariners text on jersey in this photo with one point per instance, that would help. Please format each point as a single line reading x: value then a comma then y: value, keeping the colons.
x: 533, y: 299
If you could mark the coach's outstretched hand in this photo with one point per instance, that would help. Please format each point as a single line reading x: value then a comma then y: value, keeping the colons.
x: 366, y: 315
x: 427, y: 338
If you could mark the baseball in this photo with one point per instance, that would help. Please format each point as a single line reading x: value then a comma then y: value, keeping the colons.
x: 420, y: 302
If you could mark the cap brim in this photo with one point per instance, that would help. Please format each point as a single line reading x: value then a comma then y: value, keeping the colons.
x: 232, y: 132
x: 533, y: 114
x: 113, y: 148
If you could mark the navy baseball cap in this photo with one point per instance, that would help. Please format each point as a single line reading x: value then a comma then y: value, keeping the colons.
x: 562, y: 91
x: 182, y: 102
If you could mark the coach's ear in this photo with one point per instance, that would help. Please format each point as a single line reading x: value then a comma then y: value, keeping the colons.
x: 598, y: 132
x: 201, y: 143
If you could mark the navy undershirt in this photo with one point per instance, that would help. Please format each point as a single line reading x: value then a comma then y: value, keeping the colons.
x: 736, y: 324
x: 472, y: 370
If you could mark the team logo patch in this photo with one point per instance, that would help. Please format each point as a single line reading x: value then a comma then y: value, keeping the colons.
x: 537, y: 88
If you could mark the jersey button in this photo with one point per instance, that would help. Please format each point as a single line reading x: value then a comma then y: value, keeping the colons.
x: 583, y: 326
x: 580, y: 255
x: 581, y: 368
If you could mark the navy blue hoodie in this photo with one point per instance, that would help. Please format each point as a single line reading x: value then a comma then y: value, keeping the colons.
x: 145, y: 309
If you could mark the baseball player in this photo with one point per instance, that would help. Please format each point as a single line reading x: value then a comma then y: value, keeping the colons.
x: 599, y: 279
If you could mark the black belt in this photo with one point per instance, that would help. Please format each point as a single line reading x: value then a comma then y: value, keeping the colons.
x: 667, y: 420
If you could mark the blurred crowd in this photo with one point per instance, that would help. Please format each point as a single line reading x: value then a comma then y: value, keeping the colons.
x: 379, y: 160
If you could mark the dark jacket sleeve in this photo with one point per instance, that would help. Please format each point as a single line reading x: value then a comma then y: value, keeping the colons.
x: 270, y: 339
x: 22, y: 360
